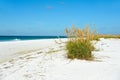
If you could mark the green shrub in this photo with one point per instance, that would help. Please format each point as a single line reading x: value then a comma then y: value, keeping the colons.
x: 79, y: 50
x: 79, y: 45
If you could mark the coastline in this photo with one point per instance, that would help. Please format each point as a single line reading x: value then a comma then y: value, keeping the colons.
x: 19, y: 38
x: 50, y: 62
x: 9, y: 49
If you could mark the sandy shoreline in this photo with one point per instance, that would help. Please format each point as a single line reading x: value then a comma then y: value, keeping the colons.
x: 49, y: 61
x: 10, y: 49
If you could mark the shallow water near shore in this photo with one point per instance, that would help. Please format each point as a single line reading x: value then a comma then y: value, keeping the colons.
x: 16, y: 38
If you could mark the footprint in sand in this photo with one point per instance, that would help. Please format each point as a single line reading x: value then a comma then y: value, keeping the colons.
x: 39, y: 52
x: 27, y: 75
x: 7, y: 67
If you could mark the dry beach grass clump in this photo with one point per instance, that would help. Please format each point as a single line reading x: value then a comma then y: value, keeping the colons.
x: 79, y: 45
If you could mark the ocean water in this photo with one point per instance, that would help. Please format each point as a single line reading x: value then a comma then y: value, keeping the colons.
x: 13, y: 38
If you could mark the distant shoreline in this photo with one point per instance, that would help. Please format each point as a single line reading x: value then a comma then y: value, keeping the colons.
x: 16, y: 38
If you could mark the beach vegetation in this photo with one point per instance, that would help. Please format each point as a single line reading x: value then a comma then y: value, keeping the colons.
x: 79, y: 45
x: 107, y: 36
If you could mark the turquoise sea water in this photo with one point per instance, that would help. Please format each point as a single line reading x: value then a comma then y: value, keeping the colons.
x: 11, y: 38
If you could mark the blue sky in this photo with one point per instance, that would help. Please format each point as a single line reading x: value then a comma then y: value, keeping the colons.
x: 51, y: 17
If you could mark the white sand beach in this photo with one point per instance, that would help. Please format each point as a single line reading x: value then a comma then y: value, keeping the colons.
x: 46, y: 60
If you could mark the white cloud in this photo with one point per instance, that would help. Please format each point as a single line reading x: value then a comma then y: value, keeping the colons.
x: 49, y: 7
